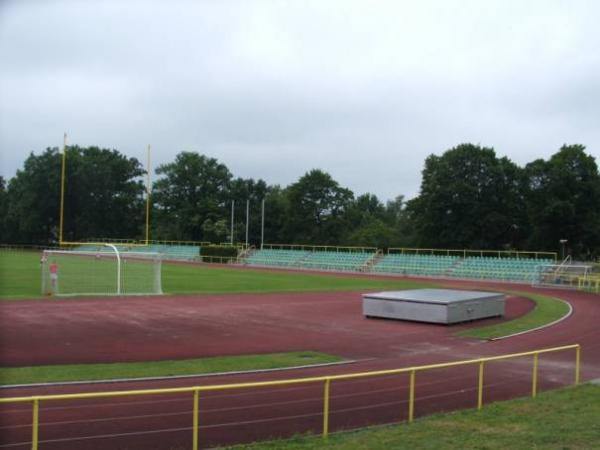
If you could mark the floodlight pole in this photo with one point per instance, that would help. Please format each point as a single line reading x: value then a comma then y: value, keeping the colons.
x: 562, y: 243
x: 232, y: 213
x: 148, y: 190
x: 262, y: 225
x: 247, y: 220
x: 62, y: 191
x: 118, y: 267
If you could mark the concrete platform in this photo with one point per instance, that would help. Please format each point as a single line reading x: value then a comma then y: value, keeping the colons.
x: 445, y: 306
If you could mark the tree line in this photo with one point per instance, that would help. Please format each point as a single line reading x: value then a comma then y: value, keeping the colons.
x: 469, y: 198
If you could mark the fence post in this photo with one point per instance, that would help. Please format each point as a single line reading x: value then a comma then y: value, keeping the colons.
x: 411, y: 397
x: 480, y: 387
x: 195, y: 420
x: 35, y: 424
x: 326, y: 407
x: 535, y: 375
x: 577, y: 364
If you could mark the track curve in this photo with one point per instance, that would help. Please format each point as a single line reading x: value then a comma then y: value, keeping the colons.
x: 129, y: 329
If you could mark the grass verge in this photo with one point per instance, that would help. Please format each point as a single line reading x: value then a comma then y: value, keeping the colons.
x: 547, y: 310
x: 557, y: 420
x: 88, y: 372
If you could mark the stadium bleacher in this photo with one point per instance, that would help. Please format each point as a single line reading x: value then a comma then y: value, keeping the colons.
x: 496, y: 268
x: 515, y: 269
x: 511, y: 269
x: 414, y: 264
x: 320, y: 259
x: 173, y: 252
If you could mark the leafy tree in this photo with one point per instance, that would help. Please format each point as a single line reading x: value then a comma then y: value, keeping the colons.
x: 469, y: 198
x: 193, y: 189
x: 105, y: 193
x: 372, y: 232
x: 103, y: 196
x: 563, y: 201
x: 33, y: 200
x: 363, y: 209
x: 366, y: 223
x: 316, y: 208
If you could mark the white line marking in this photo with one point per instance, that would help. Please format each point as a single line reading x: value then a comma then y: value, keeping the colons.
x: 566, y: 316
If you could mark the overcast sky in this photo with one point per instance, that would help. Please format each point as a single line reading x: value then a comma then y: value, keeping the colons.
x: 365, y: 90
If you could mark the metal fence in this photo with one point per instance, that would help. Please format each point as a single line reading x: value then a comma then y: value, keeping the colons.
x: 326, y: 380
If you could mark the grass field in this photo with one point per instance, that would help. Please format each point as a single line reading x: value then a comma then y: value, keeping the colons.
x: 20, y: 277
x: 79, y: 372
x: 565, y: 419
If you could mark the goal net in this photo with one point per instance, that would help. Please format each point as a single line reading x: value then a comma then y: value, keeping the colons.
x: 106, y: 272
x: 570, y: 276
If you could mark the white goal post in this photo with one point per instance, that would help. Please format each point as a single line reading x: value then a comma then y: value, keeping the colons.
x: 107, y: 271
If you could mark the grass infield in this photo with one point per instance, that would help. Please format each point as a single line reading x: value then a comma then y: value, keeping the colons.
x: 556, y: 420
x: 202, y: 366
x: 547, y: 310
x: 20, y: 277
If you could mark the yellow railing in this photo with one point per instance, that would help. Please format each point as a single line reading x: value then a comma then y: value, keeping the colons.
x: 467, y: 252
x: 320, y: 248
x: 326, y: 380
x: 591, y: 284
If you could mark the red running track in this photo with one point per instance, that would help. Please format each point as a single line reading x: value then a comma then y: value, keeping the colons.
x: 138, y: 329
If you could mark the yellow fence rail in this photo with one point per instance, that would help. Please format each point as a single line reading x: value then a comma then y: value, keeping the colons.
x: 467, y: 252
x: 36, y: 400
x: 320, y: 248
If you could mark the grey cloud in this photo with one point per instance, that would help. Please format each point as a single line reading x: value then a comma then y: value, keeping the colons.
x: 274, y: 89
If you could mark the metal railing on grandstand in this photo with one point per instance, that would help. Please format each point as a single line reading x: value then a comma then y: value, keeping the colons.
x: 464, y: 253
x: 36, y: 400
x: 318, y: 248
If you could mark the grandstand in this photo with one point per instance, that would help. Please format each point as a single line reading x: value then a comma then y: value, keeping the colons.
x: 521, y: 267
x: 167, y: 251
x: 466, y: 264
x: 496, y: 268
x: 414, y: 264
x: 345, y: 259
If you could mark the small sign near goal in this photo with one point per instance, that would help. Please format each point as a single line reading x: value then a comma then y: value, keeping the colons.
x: 105, y: 272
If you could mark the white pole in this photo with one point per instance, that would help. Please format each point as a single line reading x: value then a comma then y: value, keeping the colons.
x: 118, y: 267
x: 247, y: 220
x: 262, y: 225
x: 232, y: 208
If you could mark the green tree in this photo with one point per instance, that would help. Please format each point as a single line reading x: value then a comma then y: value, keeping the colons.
x: 315, y: 209
x: 103, y: 196
x: 192, y: 190
x: 367, y: 223
x: 563, y: 201
x: 469, y: 198
x: 33, y: 200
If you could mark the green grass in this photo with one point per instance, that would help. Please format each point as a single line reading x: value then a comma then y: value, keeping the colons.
x: 20, y: 277
x: 547, y: 310
x: 557, y: 420
x: 20, y: 274
x: 86, y: 372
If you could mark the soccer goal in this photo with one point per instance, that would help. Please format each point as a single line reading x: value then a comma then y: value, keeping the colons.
x: 105, y: 272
